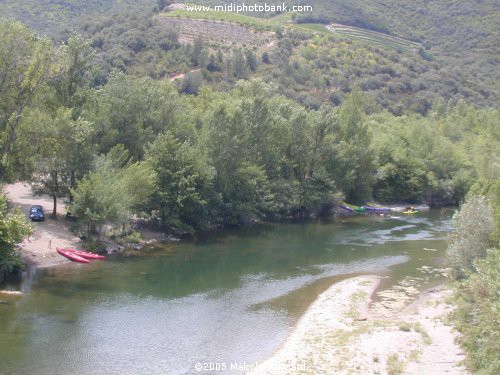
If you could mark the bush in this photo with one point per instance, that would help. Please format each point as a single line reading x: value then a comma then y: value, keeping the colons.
x: 473, y: 225
x: 477, y: 314
x: 13, y: 228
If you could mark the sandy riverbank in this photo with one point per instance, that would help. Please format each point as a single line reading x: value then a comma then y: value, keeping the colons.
x: 39, y: 250
x: 343, y: 332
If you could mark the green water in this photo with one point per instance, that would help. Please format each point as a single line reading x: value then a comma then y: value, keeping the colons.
x: 230, y: 297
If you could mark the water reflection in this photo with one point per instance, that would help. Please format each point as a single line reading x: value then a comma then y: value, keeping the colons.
x: 227, y: 297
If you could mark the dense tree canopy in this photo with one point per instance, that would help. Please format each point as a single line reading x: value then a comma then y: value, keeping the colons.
x: 126, y: 147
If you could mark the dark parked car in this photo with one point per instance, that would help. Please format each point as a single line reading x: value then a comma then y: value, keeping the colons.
x: 36, y: 213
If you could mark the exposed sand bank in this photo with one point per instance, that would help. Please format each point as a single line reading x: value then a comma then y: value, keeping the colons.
x: 343, y: 333
x: 39, y: 249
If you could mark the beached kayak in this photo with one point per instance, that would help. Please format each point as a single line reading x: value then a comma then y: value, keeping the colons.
x: 86, y: 254
x: 352, y: 208
x: 377, y: 209
x: 72, y: 256
x: 410, y: 212
x: 349, y: 209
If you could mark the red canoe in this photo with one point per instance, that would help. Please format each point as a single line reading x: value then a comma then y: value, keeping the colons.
x: 71, y: 256
x: 85, y: 254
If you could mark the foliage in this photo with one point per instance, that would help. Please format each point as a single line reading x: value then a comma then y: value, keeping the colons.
x: 134, y: 43
x: 51, y: 17
x: 240, y: 149
x: 473, y: 225
x: 184, y: 181
x: 477, y: 314
x: 325, y: 68
x: 460, y: 34
x: 132, y: 112
x: 52, y: 127
x: 13, y: 228
x: 111, y: 194
x: 253, y: 22
x: 356, y: 170
x: 24, y: 66
x: 435, y: 158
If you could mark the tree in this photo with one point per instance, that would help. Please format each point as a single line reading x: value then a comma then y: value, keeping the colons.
x: 62, y: 149
x: 162, y: 4
x: 24, y: 67
x: 355, y: 163
x: 191, y: 83
x: 184, y: 180
x: 265, y: 58
x: 239, y: 65
x: 251, y: 60
x: 132, y: 111
x: 51, y: 126
x: 198, y: 54
x: 75, y: 61
x: 476, y: 317
x: 110, y: 195
x: 13, y: 228
x: 220, y: 56
x: 212, y: 65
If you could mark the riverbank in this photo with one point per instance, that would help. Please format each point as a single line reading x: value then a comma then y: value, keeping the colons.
x: 39, y: 249
x: 344, y: 331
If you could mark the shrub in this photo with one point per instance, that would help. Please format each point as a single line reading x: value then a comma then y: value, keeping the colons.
x: 477, y: 314
x: 473, y: 225
x: 13, y: 228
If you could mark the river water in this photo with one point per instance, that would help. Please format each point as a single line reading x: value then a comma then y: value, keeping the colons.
x: 231, y: 297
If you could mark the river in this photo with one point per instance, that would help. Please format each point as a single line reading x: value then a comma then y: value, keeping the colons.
x: 230, y: 297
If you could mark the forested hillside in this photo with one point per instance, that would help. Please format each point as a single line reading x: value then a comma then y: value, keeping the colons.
x: 51, y: 17
x: 311, y: 64
x: 463, y: 34
x: 133, y: 146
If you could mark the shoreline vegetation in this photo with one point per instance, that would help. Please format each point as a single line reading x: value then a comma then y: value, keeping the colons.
x: 123, y: 148
x: 345, y: 331
x: 38, y: 250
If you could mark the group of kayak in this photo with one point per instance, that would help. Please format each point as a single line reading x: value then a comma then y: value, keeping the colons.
x: 79, y: 256
x: 376, y: 209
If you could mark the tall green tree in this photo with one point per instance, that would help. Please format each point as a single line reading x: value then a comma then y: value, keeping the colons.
x: 74, y: 73
x: 25, y: 61
x: 355, y: 166
x: 62, y: 151
x: 184, y: 182
x: 132, y: 112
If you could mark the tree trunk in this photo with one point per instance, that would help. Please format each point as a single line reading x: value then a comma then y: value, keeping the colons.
x: 54, y: 196
x: 72, y: 185
x: 54, y: 210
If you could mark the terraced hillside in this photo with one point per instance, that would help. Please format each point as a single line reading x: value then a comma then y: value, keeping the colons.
x: 214, y: 31
x: 188, y: 22
x: 375, y: 38
x: 179, y: 11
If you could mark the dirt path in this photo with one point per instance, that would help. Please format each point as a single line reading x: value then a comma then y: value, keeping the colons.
x: 340, y: 334
x: 181, y: 75
x: 40, y: 248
